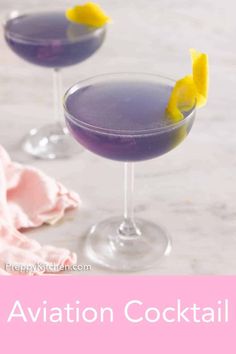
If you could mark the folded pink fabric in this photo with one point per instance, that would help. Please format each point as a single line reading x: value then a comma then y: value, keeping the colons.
x: 29, y: 198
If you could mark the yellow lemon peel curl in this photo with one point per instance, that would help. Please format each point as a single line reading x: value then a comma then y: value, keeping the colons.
x: 90, y: 14
x: 191, y: 90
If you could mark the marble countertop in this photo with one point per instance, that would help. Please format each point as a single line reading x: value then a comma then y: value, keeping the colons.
x: 192, y: 189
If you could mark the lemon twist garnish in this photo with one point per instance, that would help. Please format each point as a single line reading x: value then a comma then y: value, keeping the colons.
x: 90, y: 14
x: 191, y: 90
x: 200, y: 75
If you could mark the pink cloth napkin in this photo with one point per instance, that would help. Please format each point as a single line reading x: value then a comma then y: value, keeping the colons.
x: 29, y: 198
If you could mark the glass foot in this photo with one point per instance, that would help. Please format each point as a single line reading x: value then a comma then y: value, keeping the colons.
x: 106, y: 246
x: 51, y: 142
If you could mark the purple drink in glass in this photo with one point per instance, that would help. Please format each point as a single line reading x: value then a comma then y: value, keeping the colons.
x: 49, y: 39
x: 122, y: 117
x: 124, y: 120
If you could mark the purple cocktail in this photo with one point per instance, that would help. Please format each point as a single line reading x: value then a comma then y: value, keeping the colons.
x: 124, y: 120
x: 122, y: 117
x: 50, y: 40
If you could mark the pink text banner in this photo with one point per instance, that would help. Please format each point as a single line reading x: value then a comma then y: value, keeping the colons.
x: 118, y: 314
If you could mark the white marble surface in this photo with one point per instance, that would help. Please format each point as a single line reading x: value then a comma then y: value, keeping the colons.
x: 192, y: 190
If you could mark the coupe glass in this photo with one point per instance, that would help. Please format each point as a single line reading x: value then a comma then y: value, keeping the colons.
x: 122, y: 117
x: 48, y: 39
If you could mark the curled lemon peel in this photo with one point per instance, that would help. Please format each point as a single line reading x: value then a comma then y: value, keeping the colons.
x: 200, y: 75
x: 89, y: 14
x: 182, y: 98
x: 191, y: 90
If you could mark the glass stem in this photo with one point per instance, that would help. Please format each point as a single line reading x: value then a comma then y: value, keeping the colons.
x: 128, y: 227
x: 57, y: 93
